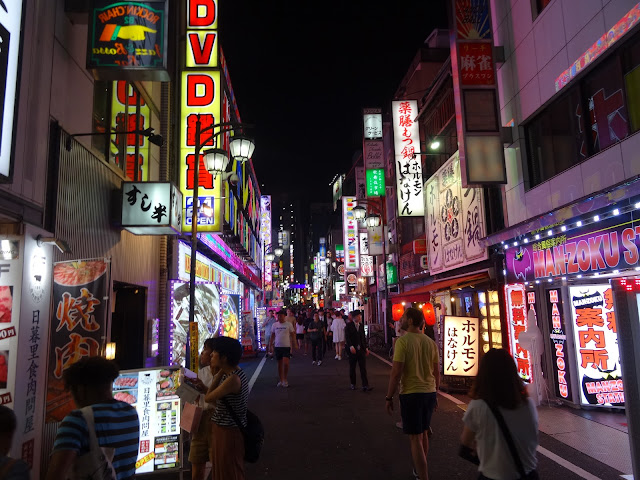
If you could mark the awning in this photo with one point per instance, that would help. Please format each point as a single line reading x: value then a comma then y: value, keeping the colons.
x: 422, y: 294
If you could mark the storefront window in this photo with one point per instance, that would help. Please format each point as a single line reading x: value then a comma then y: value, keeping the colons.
x: 490, y: 327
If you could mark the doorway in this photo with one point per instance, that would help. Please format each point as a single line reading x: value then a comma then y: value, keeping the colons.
x: 128, y: 322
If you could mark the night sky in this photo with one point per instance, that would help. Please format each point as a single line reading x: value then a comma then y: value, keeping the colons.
x: 303, y: 70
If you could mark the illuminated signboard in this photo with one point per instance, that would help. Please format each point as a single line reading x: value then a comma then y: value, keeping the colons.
x: 127, y: 40
x: 366, y: 266
x: 364, y: 243
x: 373, y: 151
x: 406, y: 133
x: 206, y: 270
x: 151, y: 208
x: 461, y: 346
x: 516, y: 296
x: 201, y: 96
x: 265, y: 236
x: 350, y: 228
x: 11, y: 39
x: 372, y: 118
x: 596, y: 344
x: 558, y: 339
x: 375, y: 183
x: 230, y: 315
x: 337, y: 192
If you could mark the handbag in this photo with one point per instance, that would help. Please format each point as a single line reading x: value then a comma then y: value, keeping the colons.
x: 190, y: 418
x: 469, y: 454
x: 96, y: 464
x: 253, y: 433
x: 533, y: 474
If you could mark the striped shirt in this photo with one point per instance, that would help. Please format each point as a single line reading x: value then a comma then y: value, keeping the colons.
x: 117, y: 426
x: 237, y: 401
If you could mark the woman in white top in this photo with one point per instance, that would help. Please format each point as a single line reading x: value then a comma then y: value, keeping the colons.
x: 499, y: 385
x: 337, y: 327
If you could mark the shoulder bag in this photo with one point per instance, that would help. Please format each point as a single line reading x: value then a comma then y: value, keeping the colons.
x: 96, y: 464
x: 253, y: 433
x: 532, y: 475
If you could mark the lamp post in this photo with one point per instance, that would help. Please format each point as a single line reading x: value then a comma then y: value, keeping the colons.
x: 216, y: 161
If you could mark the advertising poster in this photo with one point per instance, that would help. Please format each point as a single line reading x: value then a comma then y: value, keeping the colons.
x: 558, y: 339
x: 596, y: 343
x: 230, y: 315
x: 153, y: 394
x: 516, y: 298
x: 10, y: 295
x: 461, y: 341
x: 206, y: 315
x: 248, y: 333
x: 78, y: 326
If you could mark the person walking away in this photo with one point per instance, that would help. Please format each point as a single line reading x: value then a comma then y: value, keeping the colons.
x: 10, y: 468
x: 283, y: 336
x: 329, y: 332
x: 271, y: 319
x: 229, y: 389
x: 358, y: 349
x: 199, y: 454
x: 337, y: 328
x: 416, y: 369
x: 323, y: 319
x: 316, y: 334
x: 300, y: 331
x: 116, y: 424
x: 498, y: 388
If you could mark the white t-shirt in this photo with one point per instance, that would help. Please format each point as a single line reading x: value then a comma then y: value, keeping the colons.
x: 282, y: 332
x: 299, y: 329
x: 495, y: 458
x: 205, y: 375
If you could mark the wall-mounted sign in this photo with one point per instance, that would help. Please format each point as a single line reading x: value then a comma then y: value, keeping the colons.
x: 11, y: 39
x: 454, y: 220
x: 392, y: 274
x: 372, y: 123
x: 350, y: 229
x: 461, y: 341
x: 364, y: 243
x: 361, y: 183
x: 341, y: 289
x: 406, y: 135
x: 376, y: 240
x: 515, y: 296
x: 373, y: 154
x: 341, y: 269
x: 352, y: 278
x: 596, y: 343
x: 127, y: 40
x: 340, y: 252
x: 151, y: 208
x: 420, y: 246
x: 337, y: 192
x: 375, y: 183
x: 265, y: 236
x: 558, y: 343
x: 366, y: 266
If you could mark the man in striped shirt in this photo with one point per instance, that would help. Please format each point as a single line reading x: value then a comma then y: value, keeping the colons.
x: 117, y: 426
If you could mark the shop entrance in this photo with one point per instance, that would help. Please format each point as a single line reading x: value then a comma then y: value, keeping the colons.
x: 128, y: 325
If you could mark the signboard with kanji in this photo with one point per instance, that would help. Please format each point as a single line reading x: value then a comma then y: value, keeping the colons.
x: 375, y: 183
x: 476, y: 64
x: 372, y: 123
x: 151, y: 208
x: 516, y: 298
x: 461, y: 346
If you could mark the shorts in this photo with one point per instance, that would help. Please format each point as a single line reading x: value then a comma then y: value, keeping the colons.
x: 416, y: 410
x: 200, y: 442
x: 300, y: 336
x: 282, y: 352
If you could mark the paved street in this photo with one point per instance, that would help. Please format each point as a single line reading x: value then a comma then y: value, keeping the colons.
x: 319, y: 429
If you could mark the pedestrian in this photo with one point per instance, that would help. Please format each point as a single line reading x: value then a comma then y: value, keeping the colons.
x: 316, y: 334
x: 498, y: 391
x: 10, y: 468
x: 199, y: 453
x: 358, y: 349
x: 306, y: 321
x: 337, y: 328
x: 300, y: 331
x: 116, y: 424
x: 229, y: 390
x: 283, y: 336
x: 323, y: 319
x: 416, y: 369
x: 271, y: 319
x: 329, y: 332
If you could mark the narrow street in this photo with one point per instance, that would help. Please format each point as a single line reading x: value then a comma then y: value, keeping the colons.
x: 319, y: 429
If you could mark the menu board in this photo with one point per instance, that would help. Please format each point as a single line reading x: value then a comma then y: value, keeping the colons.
x: 153, y: 394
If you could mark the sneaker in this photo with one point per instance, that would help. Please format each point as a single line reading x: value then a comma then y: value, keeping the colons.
x: 279, y: 384
x: 313, y: 363
x: 352, y: 387
x: 367, y: 388
x: 285, y: 384
x: 337, y: 357
x: 319, y: 362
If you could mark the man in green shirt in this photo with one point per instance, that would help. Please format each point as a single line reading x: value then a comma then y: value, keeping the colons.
x: 416, y: 370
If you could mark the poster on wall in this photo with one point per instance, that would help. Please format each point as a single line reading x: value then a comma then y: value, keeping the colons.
x: 515, y: 296
x: 247, y: 333
x: 153, y: 394
x: 10, y: 296
x: 78, y: 327
x: 596, y: 344
x: 558, y: 339
x: 229, y: 315
x: 461, y: 341
x: 206, y: 316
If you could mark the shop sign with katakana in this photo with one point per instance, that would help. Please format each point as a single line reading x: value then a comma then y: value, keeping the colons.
x: 461, y: 346
x: 406, y: 133
x: 476, y: 64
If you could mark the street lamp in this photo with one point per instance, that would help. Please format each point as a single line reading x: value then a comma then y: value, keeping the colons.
x: 359, y: 212
x: 269, y: 257
x: 278, y: 251
x: 216, y: 161
x: 373, y: 220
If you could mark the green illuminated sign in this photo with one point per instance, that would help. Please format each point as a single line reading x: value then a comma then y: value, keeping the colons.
x: 375, y: 182
x: 392, y: 274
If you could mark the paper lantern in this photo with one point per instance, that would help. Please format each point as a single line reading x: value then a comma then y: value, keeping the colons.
x: 429, y: 314
x: 397, y: 311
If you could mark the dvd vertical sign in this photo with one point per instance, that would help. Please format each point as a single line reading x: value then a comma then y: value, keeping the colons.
x: 10, y: 48
x: 350, y: 230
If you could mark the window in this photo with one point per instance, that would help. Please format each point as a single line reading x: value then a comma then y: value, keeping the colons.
x: 537, y: 6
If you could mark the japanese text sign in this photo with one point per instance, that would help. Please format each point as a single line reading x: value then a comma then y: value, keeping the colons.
x: 337, y: 192
x: 78, y: 329
x: 373, y: 154
x: 364, y: 243
x: 516, y: 296
x: 596, y: 345
x: 558, y: 343
x: 375, y: 183
x: 151, y: 208
x: 476, y: 64
x: 265, y: 236
x: 408, y: 164
x: 350, y: 232
x: 454, y: 219
x: 372, y: 123
x: 461, y: 340
x: 127, y: 40
x: 366, y: 266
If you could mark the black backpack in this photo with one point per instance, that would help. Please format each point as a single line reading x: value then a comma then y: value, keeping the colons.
x: 253, y: 433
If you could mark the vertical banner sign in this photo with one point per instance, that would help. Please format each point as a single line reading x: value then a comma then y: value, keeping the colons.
x: 558, y: 338
x: 476, y: 94
x: 350, y: 231
x: 596, y: 342
x: 461, y: 340
x: 406, y: 135
x: 372, y: 123
x: 337, y: 192
x: 454, y: 219
x: 376, y: 245
x: 373, y: 154
x: 11, y: 39
x: 265, y: 236
x: 361, y: 183
x: 375, y: 182
x: 364, y: 243
x: 366, y: 266
x: 517, y: 323
x: 201, y: 97
x: 78, y: 327
x: 193, y: 345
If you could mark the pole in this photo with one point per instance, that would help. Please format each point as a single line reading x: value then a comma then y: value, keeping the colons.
x: 194, y: 240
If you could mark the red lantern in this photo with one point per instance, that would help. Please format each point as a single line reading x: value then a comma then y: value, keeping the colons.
x: 397, y: 311
x: 429, y: 314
